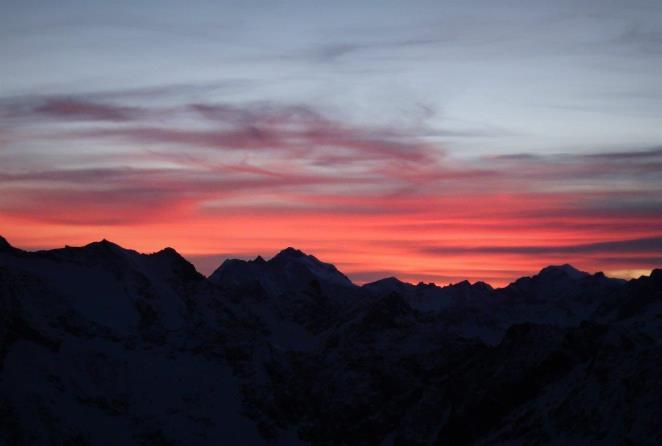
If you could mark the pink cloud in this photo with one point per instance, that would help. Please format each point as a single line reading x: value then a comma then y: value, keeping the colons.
x: 256, y: 177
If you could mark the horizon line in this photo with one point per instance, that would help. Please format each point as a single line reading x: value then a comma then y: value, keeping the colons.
x: 644, y: 271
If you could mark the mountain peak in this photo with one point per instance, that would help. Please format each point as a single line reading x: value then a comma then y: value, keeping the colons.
x: 388, y: 280
x: 103, y: 249
x: 483, y: 285
x: 565, y: 269
x: 176, y: 262
x: 387, y: 285
x: 170, y: 253
x: 169, y: 250
x: 462, y: 284
x: 104, y: 244
x: 295, y: 261
x: 289, y: 253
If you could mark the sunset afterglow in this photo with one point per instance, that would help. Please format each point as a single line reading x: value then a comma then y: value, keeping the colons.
x: 390, y: 143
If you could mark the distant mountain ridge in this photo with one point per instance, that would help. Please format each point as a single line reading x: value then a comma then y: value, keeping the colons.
x: 104, y: 345
x: 293, y: 255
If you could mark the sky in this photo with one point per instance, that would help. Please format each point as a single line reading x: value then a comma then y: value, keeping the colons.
x: 433, y: 141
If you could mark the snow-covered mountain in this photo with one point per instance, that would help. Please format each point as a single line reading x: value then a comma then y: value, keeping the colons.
x: 104, y: 345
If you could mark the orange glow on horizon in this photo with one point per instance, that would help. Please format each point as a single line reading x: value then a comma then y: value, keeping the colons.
x: 492, y: 239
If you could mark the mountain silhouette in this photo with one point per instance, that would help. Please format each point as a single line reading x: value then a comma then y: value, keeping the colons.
x: 104, y: 345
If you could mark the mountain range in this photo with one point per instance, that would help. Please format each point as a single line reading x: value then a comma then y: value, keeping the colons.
x: 102, y: 345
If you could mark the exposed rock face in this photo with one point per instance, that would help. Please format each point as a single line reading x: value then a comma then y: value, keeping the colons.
x: 103, y: 345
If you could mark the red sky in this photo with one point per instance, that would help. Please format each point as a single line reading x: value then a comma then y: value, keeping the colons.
x: 448, y: 141
x: 374, y: 201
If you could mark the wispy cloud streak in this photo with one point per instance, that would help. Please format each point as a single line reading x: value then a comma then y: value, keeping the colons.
x: 209, y: 177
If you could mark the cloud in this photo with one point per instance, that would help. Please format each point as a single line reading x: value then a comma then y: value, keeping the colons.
x: 289, y: 129
x: 73, y: 109
x: 612, y: 172
x: 292, y: 133
x: 254, y: 177
x: 632, y: 155
x: 643, y: 245
x: 343, y: 168
x: 333, y: 52
x: 69, y: 109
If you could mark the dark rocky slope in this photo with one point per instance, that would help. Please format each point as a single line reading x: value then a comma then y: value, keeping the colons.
x: 104, y: 345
